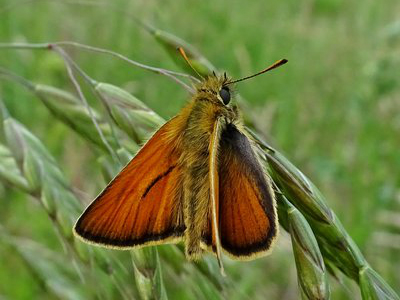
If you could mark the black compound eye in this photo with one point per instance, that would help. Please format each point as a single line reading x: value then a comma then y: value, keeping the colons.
x: 225, y: 95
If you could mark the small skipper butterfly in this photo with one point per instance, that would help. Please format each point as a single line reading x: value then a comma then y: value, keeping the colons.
x: 197, y: 180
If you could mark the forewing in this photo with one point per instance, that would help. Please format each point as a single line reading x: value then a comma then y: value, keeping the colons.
x: 142, y: 204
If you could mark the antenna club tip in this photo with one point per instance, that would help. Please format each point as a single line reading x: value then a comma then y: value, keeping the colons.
x: 284, y: 61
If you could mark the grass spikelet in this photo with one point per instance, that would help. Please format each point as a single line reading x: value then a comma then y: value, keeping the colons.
x: 311, y: 271
x: 129, y: 113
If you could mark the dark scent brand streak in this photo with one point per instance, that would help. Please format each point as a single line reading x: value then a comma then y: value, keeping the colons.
x: 159, y: 177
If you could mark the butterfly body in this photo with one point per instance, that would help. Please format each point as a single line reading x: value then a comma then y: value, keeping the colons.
x: 197, y: 180
x: 205, y: 110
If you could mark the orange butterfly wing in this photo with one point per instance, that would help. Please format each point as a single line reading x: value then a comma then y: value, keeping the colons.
x: 142, y: 204
x: 247, y: 213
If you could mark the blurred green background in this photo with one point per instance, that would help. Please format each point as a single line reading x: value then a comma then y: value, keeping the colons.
x: 334, y: 110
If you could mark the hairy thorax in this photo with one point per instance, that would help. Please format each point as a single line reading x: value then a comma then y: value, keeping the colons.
x: 199, y: 128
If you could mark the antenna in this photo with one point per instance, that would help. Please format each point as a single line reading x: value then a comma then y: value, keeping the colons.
x: 273, y: 66
x: 182, y: 52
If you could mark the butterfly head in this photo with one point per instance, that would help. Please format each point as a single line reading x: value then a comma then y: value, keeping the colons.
x: 216, y: 88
